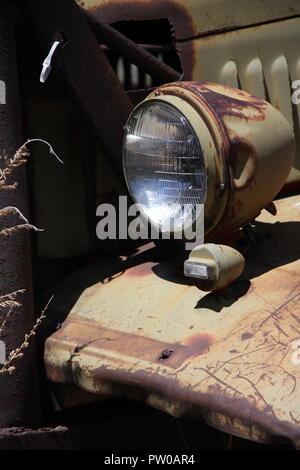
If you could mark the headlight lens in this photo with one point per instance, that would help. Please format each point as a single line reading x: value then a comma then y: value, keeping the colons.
x: 164, y: 165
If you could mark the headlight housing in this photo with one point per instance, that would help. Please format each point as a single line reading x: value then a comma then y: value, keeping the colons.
x: 203, y: 143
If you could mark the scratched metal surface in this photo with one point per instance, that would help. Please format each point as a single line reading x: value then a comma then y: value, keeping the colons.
x: 231, y: 364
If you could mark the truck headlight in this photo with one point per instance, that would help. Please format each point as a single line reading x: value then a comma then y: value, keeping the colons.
x: 164, y: 164
x: 195, y: 143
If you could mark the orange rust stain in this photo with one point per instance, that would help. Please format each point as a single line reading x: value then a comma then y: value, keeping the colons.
x: 199, y: 343
x: 226, y: 105
x: 238, y: 104
x: 222, y: 147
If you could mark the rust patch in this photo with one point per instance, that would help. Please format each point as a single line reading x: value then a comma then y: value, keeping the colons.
x: 243, y: 106
x: 193, y: 346
x: 91, y: 338
x: 141, y: 269
x: 199, y: 343
x: 198, y: 103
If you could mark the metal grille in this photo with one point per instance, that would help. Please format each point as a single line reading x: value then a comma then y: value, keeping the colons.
x: 131, y: 77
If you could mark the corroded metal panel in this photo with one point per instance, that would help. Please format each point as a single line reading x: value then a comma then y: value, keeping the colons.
x: 193, y: 17
x: 139, y: 329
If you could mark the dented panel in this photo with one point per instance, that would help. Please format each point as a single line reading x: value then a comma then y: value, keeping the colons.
x: 139, y: 329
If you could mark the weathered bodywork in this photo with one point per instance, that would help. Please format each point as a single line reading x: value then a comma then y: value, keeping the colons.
x: 127, y: 322
x: 138, y: 328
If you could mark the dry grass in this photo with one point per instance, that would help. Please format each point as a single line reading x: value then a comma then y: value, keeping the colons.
x: 9, y: 302
x: 8, y: 366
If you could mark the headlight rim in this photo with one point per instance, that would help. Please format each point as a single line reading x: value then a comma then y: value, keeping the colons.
x: 213, y: 161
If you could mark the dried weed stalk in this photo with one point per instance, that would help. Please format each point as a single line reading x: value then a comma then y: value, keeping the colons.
x: 8, y: 366
x: 9, y: 302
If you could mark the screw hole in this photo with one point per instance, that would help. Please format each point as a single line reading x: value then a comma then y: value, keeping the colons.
x: 165, y: 354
